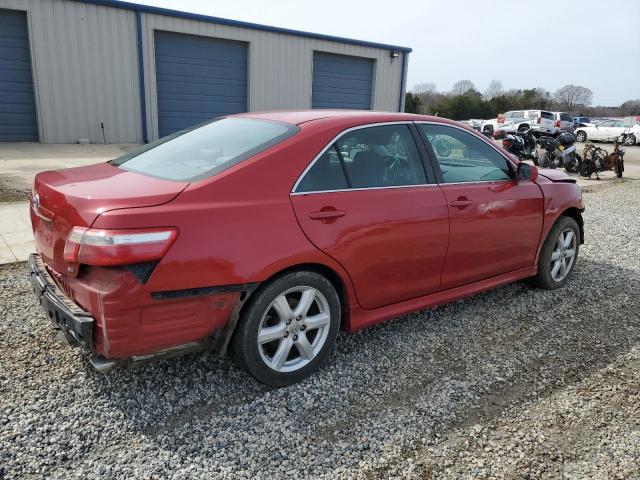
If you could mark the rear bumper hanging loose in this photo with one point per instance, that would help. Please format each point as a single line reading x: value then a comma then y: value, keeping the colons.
x: 76, y: 323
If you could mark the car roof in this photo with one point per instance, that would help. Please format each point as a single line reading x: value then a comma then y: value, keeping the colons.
x: 298, y: 117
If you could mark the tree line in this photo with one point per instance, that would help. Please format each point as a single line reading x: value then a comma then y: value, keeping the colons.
x: 465, y: 101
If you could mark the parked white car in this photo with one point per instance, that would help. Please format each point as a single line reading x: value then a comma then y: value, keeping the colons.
x: 607, y: 130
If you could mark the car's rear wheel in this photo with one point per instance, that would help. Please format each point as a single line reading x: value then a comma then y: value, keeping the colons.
x: 630, y: 140
x: 288, y: 328
x: 559, y: 254
x: 581, y: 136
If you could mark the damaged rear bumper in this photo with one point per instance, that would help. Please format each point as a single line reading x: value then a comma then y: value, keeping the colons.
x: 76, y: 323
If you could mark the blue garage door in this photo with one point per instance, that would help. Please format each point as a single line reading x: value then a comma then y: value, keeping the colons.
x: 17, y: 106
x: 198, y: 78
x: 341, y: 81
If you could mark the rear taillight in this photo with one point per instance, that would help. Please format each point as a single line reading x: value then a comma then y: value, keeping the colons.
x: 538, y: 120
x: 117, y: 247
x: 501, y: 118
x: 506, y: 143
x: 557, y: 123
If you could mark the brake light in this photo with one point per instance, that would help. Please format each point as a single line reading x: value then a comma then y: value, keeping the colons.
x: 506, y: 143
x: 538, y: 120
x: 117, y: 247
x: 558, y: 123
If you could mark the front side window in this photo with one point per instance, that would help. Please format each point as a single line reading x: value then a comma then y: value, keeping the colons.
x: 467, y: 158
x: 371, y: 157
x: 205, y: 150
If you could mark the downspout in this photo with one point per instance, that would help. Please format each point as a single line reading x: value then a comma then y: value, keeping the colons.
x: 141, y: 81
x: 403, y: 81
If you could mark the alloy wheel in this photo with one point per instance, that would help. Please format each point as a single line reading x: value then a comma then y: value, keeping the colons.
x: 294, y: 329
x: 563, y: 255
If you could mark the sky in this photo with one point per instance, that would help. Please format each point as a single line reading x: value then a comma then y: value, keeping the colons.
x: 524, y: 44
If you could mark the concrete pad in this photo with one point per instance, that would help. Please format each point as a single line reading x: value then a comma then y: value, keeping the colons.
x: 15, y: 232
x: 6, y: 255
x: 20, y: 162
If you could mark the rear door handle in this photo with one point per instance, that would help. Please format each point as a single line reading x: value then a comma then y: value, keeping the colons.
x: 461, y: 203
x: 327, y: 214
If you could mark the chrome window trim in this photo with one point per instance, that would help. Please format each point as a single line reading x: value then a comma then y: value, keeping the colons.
x: 360, y: 189
x: 330, y: 144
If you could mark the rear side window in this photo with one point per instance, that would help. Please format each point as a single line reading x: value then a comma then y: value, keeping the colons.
x: 533, y: 114
x: 515, y: 114
x: 326, y: 174
x: 205, y: 150
x: 370, y: 157
x: 566, y: 117
x: 547, y: 115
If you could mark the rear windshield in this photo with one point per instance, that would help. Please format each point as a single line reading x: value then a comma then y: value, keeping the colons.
x: 547, y: 115
x: 566, y: 117
x: 205, y: 150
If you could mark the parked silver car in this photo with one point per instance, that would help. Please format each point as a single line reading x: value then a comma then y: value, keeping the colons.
x: 563, y: 122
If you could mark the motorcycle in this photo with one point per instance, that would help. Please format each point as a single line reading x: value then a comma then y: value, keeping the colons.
x: 521, y: 144
x: 560, y: 152
x: 597, y: 159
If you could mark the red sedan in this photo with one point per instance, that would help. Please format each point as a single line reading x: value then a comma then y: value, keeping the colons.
x: 267, y: 233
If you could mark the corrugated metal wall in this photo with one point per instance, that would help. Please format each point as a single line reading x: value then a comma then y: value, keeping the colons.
x: 280, y: 65
x: 86, y: 70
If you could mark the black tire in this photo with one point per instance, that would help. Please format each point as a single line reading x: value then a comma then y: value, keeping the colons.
x: 245, y: 350
x: 488, y: 130
x: 543, y: 279
x: 581, y: 136
x: 630, y: 140
x: 546, y: 160
x: 573, y: 165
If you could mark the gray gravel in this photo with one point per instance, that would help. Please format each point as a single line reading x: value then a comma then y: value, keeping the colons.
x: 515, y: 383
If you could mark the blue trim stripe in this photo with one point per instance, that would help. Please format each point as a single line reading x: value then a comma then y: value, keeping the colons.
x: 141, y: 82
x: 237, y: 23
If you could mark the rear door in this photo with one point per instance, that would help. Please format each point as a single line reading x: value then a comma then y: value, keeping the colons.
x: 367, y: 202
x: 496, y: 221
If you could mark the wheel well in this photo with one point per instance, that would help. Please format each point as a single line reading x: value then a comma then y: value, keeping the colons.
x: 577, y: 216
x: 330, y: 275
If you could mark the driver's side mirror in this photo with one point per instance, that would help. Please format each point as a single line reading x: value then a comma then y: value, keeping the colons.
x: 527, y: 172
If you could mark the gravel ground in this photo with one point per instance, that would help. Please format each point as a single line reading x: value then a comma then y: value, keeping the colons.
x: 514, y: 383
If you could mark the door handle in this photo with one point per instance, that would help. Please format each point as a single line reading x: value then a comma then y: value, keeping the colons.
x: 327, y: 214
x: 461, y: 203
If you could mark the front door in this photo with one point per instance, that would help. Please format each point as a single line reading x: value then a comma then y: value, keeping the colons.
x: 366, y: 203
x: 496, y: 221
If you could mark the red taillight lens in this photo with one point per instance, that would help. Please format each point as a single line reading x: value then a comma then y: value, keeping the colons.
x: 558, y: 123
x: 117, y: 247
x: 506, y: 143
x: 538, y: 120
x: 501, y: 118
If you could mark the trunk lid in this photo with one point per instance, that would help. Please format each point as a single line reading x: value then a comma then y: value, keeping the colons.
x: 62, y: 199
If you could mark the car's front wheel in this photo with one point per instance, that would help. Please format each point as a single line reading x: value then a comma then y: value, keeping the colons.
x: 559, y: 254
x: 581, y: 136
x: 630, y: 140
x: 288, y: 328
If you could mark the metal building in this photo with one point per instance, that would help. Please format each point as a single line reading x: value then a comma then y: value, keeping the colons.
x: 117, y: 72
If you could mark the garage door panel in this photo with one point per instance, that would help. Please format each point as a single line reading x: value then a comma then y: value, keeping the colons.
x: 17, y: 103
x: 198, y: 78
x: 341, y: 81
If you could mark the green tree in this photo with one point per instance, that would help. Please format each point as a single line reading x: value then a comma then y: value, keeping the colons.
x: 411, y: 103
